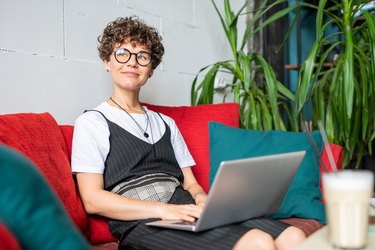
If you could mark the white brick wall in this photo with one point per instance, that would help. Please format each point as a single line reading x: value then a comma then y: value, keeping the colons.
x: 48, y: 55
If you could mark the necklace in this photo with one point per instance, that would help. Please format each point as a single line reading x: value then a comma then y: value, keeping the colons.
x: 145, y: 134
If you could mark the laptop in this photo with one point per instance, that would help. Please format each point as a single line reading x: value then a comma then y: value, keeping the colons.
x: 243, y: 189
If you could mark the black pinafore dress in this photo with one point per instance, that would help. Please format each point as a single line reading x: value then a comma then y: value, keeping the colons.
x: 131, y: 158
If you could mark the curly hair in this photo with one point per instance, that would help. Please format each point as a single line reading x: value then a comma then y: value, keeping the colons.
x: 134, y: 30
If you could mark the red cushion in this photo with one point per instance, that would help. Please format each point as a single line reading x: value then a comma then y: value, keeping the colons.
x: 193, y: 124
x: 338, y: 154
x: 39, y: 138
x: 67, y: 132
x: 99, y: 230
x: 7, y: 239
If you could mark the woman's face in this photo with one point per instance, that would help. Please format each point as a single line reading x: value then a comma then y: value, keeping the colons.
x: 129, y: 75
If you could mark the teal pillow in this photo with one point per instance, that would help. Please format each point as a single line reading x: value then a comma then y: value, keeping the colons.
x: 303, y: 199
x: 31, y: 210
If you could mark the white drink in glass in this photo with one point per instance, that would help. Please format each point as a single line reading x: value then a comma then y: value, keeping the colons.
x: 347, y: 194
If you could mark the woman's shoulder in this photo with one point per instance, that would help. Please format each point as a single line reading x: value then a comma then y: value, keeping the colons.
x: 169, y: 120
x: 93, y: 116
x: 91, y: 123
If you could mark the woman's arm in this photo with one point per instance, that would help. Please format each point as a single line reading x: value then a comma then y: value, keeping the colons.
x: 96, y: 200
x: 190, y: 184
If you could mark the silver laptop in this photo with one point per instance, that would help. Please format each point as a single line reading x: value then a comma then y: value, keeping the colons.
x: 243, y: 189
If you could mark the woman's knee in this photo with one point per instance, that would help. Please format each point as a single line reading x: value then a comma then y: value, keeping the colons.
x: 290, y: 238
x: 255, y: 239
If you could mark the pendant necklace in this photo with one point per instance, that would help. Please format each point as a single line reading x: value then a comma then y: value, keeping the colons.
x: 145, y: 134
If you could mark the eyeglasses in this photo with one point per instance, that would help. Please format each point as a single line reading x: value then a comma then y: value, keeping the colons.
x: 123, y: 55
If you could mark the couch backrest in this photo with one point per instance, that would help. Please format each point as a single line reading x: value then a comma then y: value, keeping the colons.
x: 48, y: 145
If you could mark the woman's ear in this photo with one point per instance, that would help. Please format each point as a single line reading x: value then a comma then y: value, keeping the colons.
x: 106, y: 66
x: 151, y: 73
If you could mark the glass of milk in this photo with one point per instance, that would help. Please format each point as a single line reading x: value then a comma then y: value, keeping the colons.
x: 347, y: 194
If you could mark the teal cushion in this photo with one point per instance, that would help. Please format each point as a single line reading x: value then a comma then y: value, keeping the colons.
x: 31, y: 210
x: 303, y: 199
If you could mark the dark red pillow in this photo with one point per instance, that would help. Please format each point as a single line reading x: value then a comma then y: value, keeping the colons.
x: 193, y: 124
x: 39, y: 137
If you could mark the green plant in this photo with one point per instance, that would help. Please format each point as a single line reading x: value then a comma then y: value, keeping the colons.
x: 342, y: 94
x: 262, y: 98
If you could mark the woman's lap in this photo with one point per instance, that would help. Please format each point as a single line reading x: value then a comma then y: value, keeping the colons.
x: 225, y: 237
x: 141, y: 236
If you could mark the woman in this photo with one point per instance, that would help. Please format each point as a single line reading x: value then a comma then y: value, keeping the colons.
x: 133, y: 166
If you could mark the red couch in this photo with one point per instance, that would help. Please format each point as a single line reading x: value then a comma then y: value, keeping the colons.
x: 48, y: 145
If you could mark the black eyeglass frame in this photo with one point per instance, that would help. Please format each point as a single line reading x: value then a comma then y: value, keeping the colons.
x: 136, y: 56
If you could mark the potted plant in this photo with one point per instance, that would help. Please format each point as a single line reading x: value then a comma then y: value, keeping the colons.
x: 342, y: 90
x: 263, y: 99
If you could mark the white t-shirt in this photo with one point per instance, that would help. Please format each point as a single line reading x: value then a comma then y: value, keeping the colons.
x: 91, y: 136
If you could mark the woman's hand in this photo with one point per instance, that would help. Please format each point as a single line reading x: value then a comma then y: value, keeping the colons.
x: 191, y: 185
x: 200, y: 199
x: 189, y: 212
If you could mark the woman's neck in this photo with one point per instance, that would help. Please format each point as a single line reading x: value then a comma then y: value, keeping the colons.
x: 131, y: 105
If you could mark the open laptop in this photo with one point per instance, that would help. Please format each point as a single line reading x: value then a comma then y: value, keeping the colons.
x: 243, y: 189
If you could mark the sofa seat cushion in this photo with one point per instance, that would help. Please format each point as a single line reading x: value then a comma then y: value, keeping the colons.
x: 303, y: 199
x: 39, y: 137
